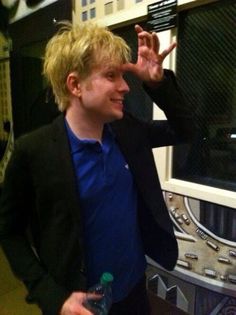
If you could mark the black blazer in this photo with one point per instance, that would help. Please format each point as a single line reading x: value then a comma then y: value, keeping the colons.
x: 40, y: 226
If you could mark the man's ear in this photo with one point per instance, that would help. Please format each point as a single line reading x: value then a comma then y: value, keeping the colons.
x: 73, y: 84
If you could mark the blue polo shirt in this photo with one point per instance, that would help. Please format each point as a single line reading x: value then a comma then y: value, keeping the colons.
x: 108, y: 200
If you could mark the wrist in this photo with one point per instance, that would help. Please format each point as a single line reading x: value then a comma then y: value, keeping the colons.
x: 155, y: 83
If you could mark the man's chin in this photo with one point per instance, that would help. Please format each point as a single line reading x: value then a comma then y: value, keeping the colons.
x: 120, y: 115
x: 117, y: 116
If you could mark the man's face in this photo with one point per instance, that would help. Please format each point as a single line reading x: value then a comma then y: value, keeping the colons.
x: 102, y: 93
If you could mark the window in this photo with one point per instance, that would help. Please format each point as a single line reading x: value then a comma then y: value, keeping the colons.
x: 92, y: 13
x: 84, y: 15
x: 108, y: 8
x: 206, y: 71
x: 120, y: 4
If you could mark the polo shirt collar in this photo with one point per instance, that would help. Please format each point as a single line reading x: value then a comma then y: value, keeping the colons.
x: 78, y: 144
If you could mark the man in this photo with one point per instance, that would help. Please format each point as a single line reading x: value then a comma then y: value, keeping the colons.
x: 86, y: 186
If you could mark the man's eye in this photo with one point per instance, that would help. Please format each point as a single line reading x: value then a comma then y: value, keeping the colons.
x: 111, y: 75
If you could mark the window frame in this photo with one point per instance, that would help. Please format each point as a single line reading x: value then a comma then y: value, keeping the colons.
x: 164, y: 156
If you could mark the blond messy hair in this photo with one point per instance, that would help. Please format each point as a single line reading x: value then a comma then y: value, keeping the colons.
x: 80, y: 48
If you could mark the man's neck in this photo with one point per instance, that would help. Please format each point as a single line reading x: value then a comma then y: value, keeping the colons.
x: 83, y: 126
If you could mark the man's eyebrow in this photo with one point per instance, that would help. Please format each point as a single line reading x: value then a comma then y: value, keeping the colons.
x: 112, y: 67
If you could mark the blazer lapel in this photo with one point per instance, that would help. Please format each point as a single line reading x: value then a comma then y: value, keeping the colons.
x: 66, y: 171
x: 136, y: 149
x: 134, y: 146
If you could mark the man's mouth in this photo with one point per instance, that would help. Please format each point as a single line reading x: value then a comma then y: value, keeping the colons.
x: 117, y: 100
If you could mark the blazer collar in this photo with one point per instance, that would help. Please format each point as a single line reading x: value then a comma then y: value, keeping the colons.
x: 62, y: 148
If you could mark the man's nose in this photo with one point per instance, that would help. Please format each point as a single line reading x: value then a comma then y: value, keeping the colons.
x: 124, y: 86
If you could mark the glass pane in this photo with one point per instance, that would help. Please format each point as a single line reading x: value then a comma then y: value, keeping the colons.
x: 108, y: 8
x: 120, y: 4
x: 84, y: 16
x: 92, y: 13
x: 206, y: 71
x: 220, y: 220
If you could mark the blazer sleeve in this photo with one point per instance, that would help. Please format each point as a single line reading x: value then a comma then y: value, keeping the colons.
x: 15, y: 207
x: 180, y: 125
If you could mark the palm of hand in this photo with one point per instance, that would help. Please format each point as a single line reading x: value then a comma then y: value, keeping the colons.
x: 149, y: 64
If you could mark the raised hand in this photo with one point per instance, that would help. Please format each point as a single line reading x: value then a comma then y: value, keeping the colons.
x: 148, y: 67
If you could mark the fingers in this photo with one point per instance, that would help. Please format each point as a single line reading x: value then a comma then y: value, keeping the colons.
x: 138, y: 28
x: 167, y: 51
x: 147, y: 39
x: 94, y: 296
x: 143, y: 36
x: 155, y: 43
x: 141, y: 39
x: 151, y: 41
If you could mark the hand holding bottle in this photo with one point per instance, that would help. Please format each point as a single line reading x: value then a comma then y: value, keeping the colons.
x: 74, y: 305
x: 99, y: 297
x: 97, y: 301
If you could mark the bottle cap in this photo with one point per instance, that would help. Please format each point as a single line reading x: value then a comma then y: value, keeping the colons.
x: 106, y: 278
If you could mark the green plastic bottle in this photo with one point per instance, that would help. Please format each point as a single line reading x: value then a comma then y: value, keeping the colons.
x: 102, y: 304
